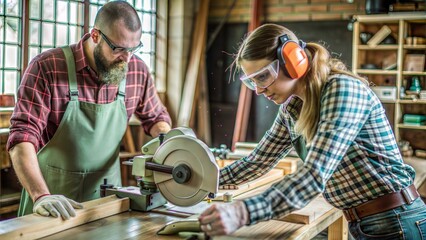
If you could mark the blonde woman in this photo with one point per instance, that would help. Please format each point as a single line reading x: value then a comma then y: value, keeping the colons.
x: 339, y: 129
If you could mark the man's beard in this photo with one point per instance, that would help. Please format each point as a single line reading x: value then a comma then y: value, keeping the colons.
x: 109, y: 73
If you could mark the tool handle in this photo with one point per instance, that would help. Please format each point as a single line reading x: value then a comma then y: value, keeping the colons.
x: 158, y: 167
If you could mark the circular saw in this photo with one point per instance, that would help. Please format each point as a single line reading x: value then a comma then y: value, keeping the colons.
x: 194, y: 171
x: 177, y: 167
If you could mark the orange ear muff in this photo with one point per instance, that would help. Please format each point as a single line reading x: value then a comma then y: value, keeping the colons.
x: 292, y: 57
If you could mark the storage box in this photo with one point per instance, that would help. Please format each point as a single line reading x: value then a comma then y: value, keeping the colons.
x: 385, y: 92
x: 4, y: 155
x: 414, y: 62
x: 5, y: 119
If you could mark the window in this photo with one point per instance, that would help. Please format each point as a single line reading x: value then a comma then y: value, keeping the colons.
x: 54, y: 23
x: 10, y: 47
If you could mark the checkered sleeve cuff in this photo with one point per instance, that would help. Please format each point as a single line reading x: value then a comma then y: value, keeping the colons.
x: 259, y: 209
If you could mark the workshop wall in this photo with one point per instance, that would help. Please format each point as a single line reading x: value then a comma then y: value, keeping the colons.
x: 288, y: 10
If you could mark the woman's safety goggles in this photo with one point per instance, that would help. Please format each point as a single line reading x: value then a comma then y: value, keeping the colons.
x: 262, y: 78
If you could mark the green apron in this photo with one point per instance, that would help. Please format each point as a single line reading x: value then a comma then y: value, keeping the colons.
x: 299, y: 145
x: 84, y: 150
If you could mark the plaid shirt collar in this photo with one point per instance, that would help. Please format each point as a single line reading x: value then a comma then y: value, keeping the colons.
x: 81, y: 60
x: 293, y: 106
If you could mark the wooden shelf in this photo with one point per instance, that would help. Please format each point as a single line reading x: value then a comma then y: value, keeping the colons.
x: 405, y: 126
x: 6, y: 109
x: 388, y: 101
x: 4, y: 131
x: 402, y: 26
x: 390, y: 18
x: 378, y: 47
x: 412, y: 101
x: 415, y: 47
x: 377, y: 71
x: 411, y: 73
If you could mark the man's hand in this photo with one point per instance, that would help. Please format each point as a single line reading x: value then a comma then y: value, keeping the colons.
x: 224, y: 219
x: 56, y: 205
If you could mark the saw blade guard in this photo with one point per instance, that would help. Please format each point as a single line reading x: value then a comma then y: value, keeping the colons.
x: 191, y: 153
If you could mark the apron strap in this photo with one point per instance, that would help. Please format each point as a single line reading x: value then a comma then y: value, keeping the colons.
x: 72, y: 79
x: 299, y: 145
x: 121, y: 90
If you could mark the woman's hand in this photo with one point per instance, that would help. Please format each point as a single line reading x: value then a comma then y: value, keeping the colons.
x: 224, y: 219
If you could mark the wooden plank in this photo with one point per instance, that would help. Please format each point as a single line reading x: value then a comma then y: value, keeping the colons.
x: 338, y: 230
x: 310, y: 213
x: 315, y: 209
x: 170, y: 209
x: 34, y: 226
x: 198, y: 43
x: 9, y: 208
x: 309, y: 231
x: 244, y: 100
x: 203, y: 129
x: 272, y: 176
x: 288, y: 164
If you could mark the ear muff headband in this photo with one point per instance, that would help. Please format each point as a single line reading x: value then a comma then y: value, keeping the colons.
x: 292, y: 57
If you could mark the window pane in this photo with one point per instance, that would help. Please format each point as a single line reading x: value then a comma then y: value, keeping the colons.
x: 45, y: 49
x: 35, y: 9
x: 74, y: 13
x: 1, y: 57
x: 138, y: 4
x: 34, y: 33
x: 13, y: 7
x: 11, y: 56
x: 93, y: 11
x: 33, y: 52
x: 62, y: 11
x: 1, y: 30
x: 147, y: 5
x: 146, y: 58
x: 12, y: 28
x: 146, y: 40
x: 61, y: 35
x: 146, y: 22
x: 74, y: 35
x: 10, y: 80
x: 47, y: 37
x: 48, y: 9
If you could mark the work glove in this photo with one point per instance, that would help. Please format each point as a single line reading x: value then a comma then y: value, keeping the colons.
x: 56, y: 205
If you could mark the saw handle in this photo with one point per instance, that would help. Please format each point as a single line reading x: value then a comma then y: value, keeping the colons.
x: 158, y: 167
x: 181, y: 173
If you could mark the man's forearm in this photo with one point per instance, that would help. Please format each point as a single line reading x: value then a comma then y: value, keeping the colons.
x: 25, y: 163
x: 159, y: 127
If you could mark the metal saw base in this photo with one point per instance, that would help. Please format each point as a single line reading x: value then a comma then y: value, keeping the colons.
x: 138, y: 201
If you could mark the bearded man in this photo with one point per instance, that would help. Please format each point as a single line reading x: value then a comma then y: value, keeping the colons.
x: 72, y: 110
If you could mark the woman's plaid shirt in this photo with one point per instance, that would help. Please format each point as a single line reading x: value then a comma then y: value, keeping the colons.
x: 352, y: 158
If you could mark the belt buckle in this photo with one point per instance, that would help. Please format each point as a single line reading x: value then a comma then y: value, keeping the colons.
x: 408, y: 197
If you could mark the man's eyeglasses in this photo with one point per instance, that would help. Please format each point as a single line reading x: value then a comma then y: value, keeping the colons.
x: 263, y: 78
x: 116, y: 49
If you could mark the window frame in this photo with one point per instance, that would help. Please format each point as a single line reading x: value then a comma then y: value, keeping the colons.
x: 24, y: 20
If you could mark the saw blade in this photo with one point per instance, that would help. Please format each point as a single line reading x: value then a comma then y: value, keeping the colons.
x: 197, y: 156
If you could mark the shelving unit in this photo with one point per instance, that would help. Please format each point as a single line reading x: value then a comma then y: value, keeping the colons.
x: 401, y: 26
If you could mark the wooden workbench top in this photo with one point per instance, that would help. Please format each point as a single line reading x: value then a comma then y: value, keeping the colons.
x: 144, y: 225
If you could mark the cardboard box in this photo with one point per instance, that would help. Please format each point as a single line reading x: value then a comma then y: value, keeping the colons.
x: 7, y: 100
x: 414, y: 62
x: 5, y: 119
x: 385, y: 92
x: 4, y: 155
x: 389, y: 61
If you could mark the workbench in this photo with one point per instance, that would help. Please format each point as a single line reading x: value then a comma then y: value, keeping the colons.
x: 121, y: 223
x: 139, y: 225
